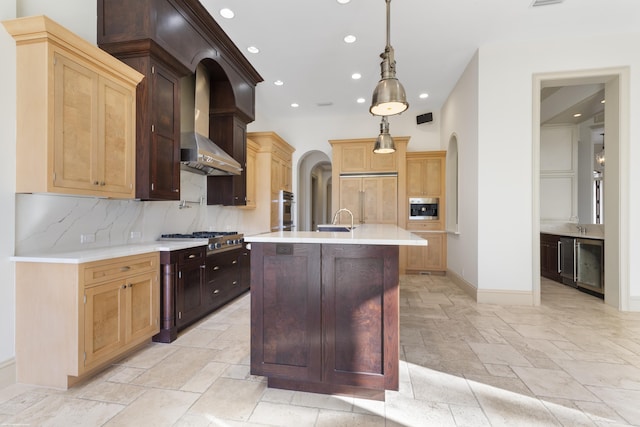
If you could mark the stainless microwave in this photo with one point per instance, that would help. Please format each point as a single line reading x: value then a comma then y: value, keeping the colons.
x: 421, y: 208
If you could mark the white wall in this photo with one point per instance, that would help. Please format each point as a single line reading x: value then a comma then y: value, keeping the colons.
x: 460, y: 117
x: 505, y: 148
x: 7, y: 189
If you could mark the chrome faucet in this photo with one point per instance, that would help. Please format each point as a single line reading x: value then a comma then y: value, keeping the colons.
x: 335, y: 216
x: 581, y: 229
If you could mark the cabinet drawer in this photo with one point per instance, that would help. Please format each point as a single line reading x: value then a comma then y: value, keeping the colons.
x: 192, y: 254
x: 116, y: 268
x: 427, y: 225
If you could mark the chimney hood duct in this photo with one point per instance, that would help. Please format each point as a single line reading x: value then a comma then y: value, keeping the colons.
x: 201, y: 155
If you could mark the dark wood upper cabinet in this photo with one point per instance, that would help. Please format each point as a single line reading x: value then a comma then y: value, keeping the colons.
x: 166, y: 40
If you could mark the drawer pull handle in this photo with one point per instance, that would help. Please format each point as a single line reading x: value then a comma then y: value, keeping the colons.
x: 235, y: 282
x: 216, y: 268
x: 216, y: 291
x: 235, y: 261
x: 125, y: 268
x: 203, y: 266
x: 192, y: 256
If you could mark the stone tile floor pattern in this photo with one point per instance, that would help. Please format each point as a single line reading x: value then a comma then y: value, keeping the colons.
x: 573, y: 361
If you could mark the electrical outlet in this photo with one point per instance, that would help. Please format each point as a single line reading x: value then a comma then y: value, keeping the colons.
x: 87, y: 238
x: 135, y: 235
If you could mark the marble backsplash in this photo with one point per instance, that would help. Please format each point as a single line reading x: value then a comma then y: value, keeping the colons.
x: 54, y: 223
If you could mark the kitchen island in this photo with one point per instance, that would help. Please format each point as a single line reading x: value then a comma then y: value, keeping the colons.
x: 324, y: 309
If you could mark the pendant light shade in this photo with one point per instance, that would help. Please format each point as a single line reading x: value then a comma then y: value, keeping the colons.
x: 389, y: 97
x: 384, y: 143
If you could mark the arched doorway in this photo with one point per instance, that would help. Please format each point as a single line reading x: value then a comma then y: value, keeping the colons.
x: 314, y: 190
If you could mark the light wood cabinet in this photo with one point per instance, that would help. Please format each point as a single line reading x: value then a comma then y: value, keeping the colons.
x: 75, y: 114
x: 369, y: 184
x: 425, y: 174
x: 426, y: 178
x: 372, y: 200
x: 358, y: 157
x: 83, y: 316
x: 273, y: 172
x: 252, y: 151
x: 428, y: 258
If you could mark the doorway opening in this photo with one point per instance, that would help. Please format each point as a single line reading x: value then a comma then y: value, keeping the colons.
x: 314, y: 191
x: 615, y: 125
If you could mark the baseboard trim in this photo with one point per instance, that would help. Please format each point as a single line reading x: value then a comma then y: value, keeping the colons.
x: 634, y: 303
x: 467, y: 287
x: 7, y: 373
x: 504, y: 297
x: 494, y: 296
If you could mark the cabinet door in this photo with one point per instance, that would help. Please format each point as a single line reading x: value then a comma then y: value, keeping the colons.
x: 116, y: 152
x: 251, y: 178
x: 142, y: 307
x: 360, y: 315
x: 75, y: 125
x: 190, y: 300
x: 415, y: 177
x: 285, y: 311
x: 431, y: 257
x: 351, y: 197
x: 354, y: 158
x: 380, y: 200
x: 104, y: 322
x: 164, y: 149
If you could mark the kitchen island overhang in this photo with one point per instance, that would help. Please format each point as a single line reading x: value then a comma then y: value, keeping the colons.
x: 325, y: 309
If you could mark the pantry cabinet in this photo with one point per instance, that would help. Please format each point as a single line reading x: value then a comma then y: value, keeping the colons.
x: 273, y: 173
x: 74, y: 319
x: 372, y: 200
x: 368, y: 184
x: 76, y: 109
x: 426, y: 179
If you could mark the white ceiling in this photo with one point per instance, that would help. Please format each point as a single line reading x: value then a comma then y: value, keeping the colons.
x: 301, y: 43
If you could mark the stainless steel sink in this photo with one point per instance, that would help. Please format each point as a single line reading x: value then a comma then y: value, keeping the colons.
x: 334, y: 227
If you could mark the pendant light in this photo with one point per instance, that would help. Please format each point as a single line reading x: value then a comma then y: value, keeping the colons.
x: 384, y: 143
x: 389, y: 97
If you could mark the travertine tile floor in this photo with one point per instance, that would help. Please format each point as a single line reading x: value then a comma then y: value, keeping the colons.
x: 573, y: 361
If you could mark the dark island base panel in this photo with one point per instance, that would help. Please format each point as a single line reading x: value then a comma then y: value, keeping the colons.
x: 324, y: 317
x: 324, y: 388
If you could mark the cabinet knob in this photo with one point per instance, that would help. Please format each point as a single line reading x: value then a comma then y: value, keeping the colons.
x: 125, y: 268
x: 124, y: 286
x: 192, y: 256
x: 235, y: 261
x: 216, y: 268
x: 96, y: 183
x: 234, y: 283
x: 203, y: 266
x: 102, y: 184
x: 131, y: 285
x: 216, y: 291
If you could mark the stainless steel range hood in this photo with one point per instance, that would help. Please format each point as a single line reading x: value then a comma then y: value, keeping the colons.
x: 201, y: 155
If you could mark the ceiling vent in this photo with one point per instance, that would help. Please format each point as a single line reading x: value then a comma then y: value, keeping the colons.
x: 545, y: 2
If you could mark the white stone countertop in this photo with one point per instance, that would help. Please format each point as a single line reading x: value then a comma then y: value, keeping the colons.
x: 98, y: 254
x: 362, y: 234
x: 591, y: 231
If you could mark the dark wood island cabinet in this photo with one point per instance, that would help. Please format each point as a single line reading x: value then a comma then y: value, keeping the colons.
x: 325, y: 315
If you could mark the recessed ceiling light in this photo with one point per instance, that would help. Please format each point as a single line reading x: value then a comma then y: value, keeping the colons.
x: 278, y: 83
x: 360, y: 100
x: 253, y: 49
x: 295, y: 105
x: 350, y: 38
x: 356, y: 76
x: 577, y: 115
x: 227, y: 13
x: 424, y: 95
x: 343, y: 1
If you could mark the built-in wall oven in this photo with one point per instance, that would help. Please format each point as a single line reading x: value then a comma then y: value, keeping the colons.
x: 423, y: 208
x: 285, y: 211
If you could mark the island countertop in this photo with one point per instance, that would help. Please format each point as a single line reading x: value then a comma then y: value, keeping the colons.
x: 362, y: 234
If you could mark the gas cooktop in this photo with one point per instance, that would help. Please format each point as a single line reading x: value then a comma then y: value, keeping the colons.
x: 219, y: 241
